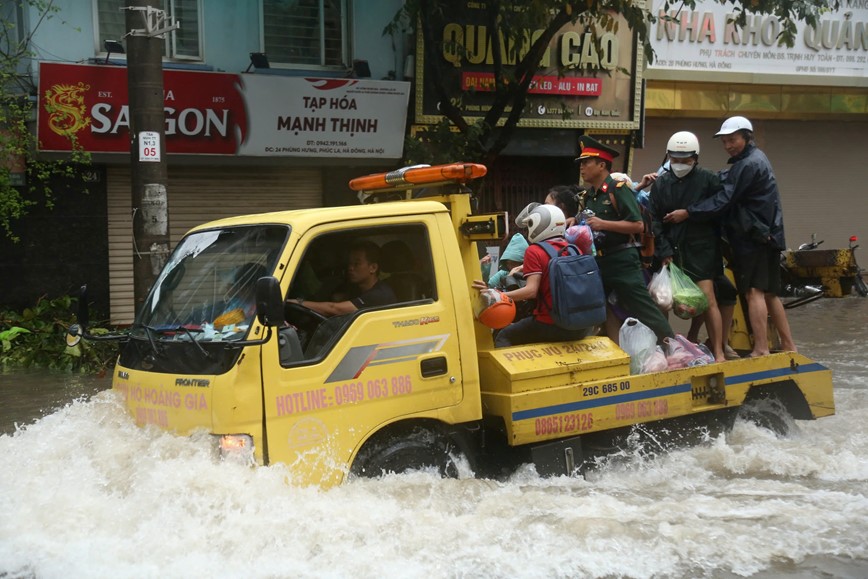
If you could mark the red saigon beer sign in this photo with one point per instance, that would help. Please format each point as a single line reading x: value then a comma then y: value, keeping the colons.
x: 204, y: 111
x: 226, y: 114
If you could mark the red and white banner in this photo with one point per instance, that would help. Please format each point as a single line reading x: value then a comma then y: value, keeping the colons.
x: 209, y: 113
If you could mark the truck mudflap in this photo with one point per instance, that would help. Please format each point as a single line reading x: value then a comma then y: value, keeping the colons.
x: 553, y: 391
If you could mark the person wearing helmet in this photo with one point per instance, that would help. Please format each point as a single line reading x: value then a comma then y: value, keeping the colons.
x: 509, y: 275
x: 567, y: 198
x: 511, y: 258
x: 617, y: 257
x: 545, y: 224
x: 749, y: 206
x: 693, y: 245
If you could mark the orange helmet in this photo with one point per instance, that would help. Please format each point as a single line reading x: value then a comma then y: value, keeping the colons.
x: 494, y: 309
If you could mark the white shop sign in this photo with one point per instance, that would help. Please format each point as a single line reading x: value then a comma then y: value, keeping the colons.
x: 706, y: 40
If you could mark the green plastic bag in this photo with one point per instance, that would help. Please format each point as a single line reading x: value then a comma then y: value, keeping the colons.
x: 688, y: 300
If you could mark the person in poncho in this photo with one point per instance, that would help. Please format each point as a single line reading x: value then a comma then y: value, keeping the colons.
x: 694, y: 246
x: 513, y: 256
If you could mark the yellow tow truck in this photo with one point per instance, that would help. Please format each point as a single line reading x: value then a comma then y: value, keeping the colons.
x: 221, y: 344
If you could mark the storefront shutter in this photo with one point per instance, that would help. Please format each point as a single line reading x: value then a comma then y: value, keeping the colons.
x: 197, y: 195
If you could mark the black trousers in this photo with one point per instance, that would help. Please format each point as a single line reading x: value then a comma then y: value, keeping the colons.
x: 531, y: 330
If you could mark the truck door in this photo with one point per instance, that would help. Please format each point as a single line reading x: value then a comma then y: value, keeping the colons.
x: 336, y: 379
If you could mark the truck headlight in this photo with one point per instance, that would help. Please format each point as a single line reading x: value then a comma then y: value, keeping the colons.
x: 236, y: 447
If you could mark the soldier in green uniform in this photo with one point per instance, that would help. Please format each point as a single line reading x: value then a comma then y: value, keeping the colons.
x: 617, y: 256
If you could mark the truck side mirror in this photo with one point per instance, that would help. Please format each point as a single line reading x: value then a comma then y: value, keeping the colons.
x: 74, y: 335
x: 83, y: 315
x: 76, y: 332
x: 269, y: 302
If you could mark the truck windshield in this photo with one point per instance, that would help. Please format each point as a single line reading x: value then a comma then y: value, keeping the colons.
x: 206, y: 292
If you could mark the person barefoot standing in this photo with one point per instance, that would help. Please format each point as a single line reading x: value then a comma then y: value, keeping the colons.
x: 750, y: 206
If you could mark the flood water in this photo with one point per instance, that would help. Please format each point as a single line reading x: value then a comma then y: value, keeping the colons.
x: 85, y: 493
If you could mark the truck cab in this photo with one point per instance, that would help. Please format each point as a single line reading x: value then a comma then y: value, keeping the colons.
x: 223, y: 345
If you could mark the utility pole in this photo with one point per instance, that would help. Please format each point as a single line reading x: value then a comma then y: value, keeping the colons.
x: 146, y: 26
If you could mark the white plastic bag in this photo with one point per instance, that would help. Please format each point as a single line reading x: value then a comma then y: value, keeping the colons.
x: 639, y: 341
x: 656, y: 362
x: 660, y: 289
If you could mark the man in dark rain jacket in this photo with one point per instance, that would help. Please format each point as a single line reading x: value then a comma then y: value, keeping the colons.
x: 693, y: 245
x: 751, y: 208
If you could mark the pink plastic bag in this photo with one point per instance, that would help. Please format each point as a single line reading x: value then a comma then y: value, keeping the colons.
x: 676, y: 355
x: 701, y: 354
x: 656, y: 362
x: 681, y: 353
x: 582, y: 237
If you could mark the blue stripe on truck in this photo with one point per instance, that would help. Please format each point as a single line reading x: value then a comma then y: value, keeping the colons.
x: 659, y: 392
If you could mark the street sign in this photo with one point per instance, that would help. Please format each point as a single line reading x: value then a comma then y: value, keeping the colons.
x: 149, y: 146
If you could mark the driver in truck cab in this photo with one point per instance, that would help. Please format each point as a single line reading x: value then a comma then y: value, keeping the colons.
x: 363, y: 289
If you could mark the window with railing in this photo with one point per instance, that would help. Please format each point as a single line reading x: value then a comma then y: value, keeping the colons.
x: 306, y: 33
x: 184, y: 43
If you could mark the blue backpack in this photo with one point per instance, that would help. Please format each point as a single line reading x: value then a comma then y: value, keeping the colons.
x: 578, y: 299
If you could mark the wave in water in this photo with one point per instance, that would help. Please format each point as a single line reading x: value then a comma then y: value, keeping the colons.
x: 86, y: 493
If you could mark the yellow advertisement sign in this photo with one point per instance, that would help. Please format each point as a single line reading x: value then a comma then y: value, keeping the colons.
x: 584, y: 82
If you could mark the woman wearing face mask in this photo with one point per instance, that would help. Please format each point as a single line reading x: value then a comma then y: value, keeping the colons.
x: 693, y: 245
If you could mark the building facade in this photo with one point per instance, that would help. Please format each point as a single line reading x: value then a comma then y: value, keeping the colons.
x: 808, y: 104
x: 269, y: 106
x: 248, y: 133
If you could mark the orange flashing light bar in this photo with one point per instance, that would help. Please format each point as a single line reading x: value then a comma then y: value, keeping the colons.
x: 419, y: 175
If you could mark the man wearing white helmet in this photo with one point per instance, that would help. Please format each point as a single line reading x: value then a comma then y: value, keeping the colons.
x: 545, y: 224
x: 750, y: 207
x: 693, y: 245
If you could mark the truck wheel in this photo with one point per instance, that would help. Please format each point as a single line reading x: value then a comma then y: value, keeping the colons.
x: 414, y: 449
x: 768, y: 413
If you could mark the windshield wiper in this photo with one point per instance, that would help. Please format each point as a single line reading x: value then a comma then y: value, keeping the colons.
x: 190, y: 335
x: 149, y: 332
x: 187, y: 331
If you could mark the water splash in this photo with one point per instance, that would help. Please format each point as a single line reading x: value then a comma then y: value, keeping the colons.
x: 86, y: 493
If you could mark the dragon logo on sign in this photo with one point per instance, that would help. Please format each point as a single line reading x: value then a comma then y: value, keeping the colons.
x: 64, y: 104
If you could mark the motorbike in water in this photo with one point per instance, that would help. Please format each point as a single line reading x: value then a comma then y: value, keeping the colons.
x: 808, y: 273
x: 859, y: 283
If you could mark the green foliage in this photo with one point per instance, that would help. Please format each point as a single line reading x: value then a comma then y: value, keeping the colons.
x: 441, y: 143
x: 36, y: 338
x: 17, y: 116
x: 456, y: 138
x: 6, y: 336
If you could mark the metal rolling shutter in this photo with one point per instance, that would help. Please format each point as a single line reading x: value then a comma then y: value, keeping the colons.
x: 120, y: 234
x: 820, y: 168
x: 196, y: 195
